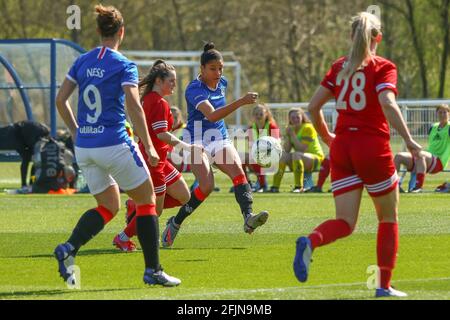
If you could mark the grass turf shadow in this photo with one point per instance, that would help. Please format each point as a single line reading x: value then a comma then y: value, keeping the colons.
x: 88, y: 252
x: 54, y: 292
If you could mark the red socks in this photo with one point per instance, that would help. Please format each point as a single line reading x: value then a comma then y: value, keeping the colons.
x: 143, y: 210
x: 324, y: 172
x: 328, y: 232
x: 146, y: 210
x: 199, y: 194
x: 169, y: 202
x: 387, y: 246
x: 130, y: 230
x: 387, y: 243
x: 257, y: 170
x: 238, y: 180
x: 420, y: 179
x: 105, y: 213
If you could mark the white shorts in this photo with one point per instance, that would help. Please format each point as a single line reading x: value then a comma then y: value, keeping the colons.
x: 215, y: 146
x: 121, y: 164
x: 210, y: 149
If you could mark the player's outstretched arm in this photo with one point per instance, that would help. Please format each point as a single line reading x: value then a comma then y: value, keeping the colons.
x: 63, y: 106
x: 394, y: 116
x: 215, y: 115
x: 172, y: 140
x: 321, y: 97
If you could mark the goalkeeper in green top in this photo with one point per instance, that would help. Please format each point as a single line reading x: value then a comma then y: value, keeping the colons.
x: 436, y: 157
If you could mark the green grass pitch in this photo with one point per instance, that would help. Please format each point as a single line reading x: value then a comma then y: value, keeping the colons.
x: 212, y: 255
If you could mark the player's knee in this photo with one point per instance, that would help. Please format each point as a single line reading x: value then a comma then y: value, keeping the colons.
x: 147, y: 199
x: 400, y: 159
x: 184, y: 197
x: 206, y: 183
x: 388, y: 216
x: 207, y: 188
x: 112, y: 207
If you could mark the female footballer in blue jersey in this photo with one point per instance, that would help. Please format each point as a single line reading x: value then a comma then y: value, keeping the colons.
x: 207, y: 107
x: 104, y: 151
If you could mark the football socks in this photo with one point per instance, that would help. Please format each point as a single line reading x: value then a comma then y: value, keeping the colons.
x: 89, y: 225
x: 197, y: 198
x: 328, y: 232
x: 148, y: 234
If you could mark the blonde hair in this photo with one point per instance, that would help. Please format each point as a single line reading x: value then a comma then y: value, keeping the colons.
x: 443, y: 107
x: 269, y: 116
x: 366, y: 27
x: 305, y: 118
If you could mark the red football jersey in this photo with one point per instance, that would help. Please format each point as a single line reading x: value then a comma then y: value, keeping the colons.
x: 357, y: 97
x: 159, y: 119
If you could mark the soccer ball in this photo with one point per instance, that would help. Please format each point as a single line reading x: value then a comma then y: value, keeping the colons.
x: 266, y: 151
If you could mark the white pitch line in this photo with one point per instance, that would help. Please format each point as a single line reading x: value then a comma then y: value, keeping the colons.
x: 300, y: 288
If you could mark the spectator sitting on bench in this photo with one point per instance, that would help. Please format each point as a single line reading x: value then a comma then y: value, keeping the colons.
x: 301, y: 148
x: 435, y: 159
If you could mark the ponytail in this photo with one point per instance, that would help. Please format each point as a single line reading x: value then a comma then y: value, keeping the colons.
x: 109, y: 20
x: 366, y: 27
x: 160, y: 69
x: 210, y: 54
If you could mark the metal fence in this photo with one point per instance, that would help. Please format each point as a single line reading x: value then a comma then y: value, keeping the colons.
x: 30, y: 73
x: 418, y: 114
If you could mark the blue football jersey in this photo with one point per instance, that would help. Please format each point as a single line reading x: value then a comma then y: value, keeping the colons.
x: 100, y: 75
x: 200, y: 129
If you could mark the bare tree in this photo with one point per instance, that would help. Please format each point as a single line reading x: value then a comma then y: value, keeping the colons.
x: 284, y: 46
x: 179, y: 22
x: 410, y: 16
x: 445, y: 9
x: 418, y: 46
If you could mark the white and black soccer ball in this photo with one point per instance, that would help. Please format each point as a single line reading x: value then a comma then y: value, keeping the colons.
x: 266, y: 151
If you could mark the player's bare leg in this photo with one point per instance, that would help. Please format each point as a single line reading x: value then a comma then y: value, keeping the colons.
x: 405, y: 159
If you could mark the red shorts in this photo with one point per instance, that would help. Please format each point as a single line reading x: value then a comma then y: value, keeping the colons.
x: 358, y: 161
x: 163, y: 175
x: 183, y: 166
x: 435, y: 166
